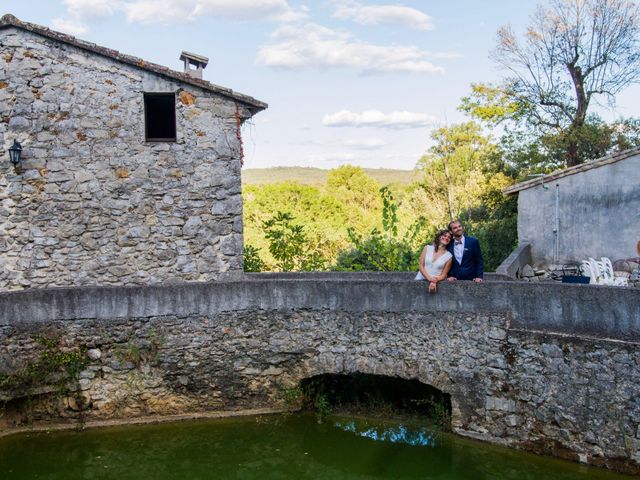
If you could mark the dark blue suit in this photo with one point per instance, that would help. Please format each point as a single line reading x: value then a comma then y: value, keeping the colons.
x: 472, y: 265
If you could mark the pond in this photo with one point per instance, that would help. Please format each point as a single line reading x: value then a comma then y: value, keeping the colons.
x: 272, y: 447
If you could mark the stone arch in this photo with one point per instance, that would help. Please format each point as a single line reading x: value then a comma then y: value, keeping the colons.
x: 346, y: 364
x: 366, y: 390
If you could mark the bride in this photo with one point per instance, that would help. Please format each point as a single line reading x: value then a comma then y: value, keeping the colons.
x: 435, y: 260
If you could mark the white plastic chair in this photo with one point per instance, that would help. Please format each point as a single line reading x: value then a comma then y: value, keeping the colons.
x: 601, y: 272
x: 607, y: 270
x: 590, y: 269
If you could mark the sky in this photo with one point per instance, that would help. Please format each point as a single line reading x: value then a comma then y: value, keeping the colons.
x: 347, y: 81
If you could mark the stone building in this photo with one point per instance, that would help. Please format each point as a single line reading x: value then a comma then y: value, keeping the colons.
x: 589, y: 210
x: 129, y: 171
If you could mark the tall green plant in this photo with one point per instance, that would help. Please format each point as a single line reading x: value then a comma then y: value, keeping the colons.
x: 384, y: 250
x: 289, y: 245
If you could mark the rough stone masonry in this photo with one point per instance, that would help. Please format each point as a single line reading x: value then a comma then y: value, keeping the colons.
x: 518, y: 369
x: 93, y: 203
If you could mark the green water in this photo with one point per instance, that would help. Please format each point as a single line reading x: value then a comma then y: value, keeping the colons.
x: 271, y: 447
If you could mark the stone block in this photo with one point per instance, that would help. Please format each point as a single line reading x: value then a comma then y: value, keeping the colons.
x: 551, y: 350
x: 94, y: 353
x: 19, y: 124
x: 497, y: 333
x: 140, y: 231
x: 230, y: 245
x: 85, y: 383
x: 500, y: 404
x: 512, y: 420
x: 192, y: 226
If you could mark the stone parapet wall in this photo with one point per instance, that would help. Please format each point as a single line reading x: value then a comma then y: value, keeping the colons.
x: 238, y: 344
x: 93, y: 203
x: 586, y: 310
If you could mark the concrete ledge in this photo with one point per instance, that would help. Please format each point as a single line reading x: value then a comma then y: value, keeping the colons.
x: 520, y: 257
x: 379, y: 276
x: 608, y: 312
x: 145, y: 420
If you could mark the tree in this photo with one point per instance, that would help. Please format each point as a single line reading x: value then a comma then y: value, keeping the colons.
x: 494, y: 221
x: 357, y: 191
x: 353, y: 186
x: 530, y: 150
x: 453, y: 167
x: 572, y: 52
x: 323, y: 217
x: 252, y: 261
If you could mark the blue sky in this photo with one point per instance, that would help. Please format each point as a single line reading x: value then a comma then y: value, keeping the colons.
x: 358, y: 82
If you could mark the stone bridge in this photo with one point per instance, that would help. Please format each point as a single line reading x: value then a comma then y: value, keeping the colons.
x: 549, y: 368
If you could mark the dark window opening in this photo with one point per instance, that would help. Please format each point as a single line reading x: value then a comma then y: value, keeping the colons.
x: 160, y: 117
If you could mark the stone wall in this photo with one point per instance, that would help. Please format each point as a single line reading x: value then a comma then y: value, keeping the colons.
x: 93, y: 203
x: 519, y: 370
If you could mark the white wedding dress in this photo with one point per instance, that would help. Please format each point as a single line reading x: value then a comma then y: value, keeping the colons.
x: 433, y: 268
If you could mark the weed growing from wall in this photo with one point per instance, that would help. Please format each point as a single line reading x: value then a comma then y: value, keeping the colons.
x: 53, y: 369
x: 140, y: 351
x: 311, y: 397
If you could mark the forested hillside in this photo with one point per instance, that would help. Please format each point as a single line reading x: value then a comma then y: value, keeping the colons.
x: 346, y: 221
x: 318, y: 176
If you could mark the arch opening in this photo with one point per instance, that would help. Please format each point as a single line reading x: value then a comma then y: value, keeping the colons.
x: 377, y: 395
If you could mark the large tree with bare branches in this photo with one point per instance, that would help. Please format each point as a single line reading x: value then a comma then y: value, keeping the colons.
x: 574, y: 53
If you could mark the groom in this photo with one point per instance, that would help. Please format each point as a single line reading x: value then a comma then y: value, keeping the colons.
x: 467, y: 258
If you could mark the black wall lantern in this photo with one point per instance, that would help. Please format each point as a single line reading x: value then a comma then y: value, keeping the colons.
x: 14, y: 153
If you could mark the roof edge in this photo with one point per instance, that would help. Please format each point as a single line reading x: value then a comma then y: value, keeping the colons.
x: 599, y: 162
x: 254, y: 105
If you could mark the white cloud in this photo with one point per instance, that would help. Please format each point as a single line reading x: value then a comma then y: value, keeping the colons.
x: 172, y: 11
x: 365, y: 143
x: 176, y: 11
x: 85, y: 9
x: 294, y: 15
x: 315, y: 46
x: 376, y: 118
x: 72, y: 27
x: 382, y: 14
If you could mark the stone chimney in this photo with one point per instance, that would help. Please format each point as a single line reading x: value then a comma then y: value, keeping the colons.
x: 198, y: 63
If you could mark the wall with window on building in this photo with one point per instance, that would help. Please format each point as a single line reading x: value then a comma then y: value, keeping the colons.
x: 127, y: 176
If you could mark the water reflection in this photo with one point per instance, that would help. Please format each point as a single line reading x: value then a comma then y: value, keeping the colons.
x: 395, y: 434
x: 354, y: 448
